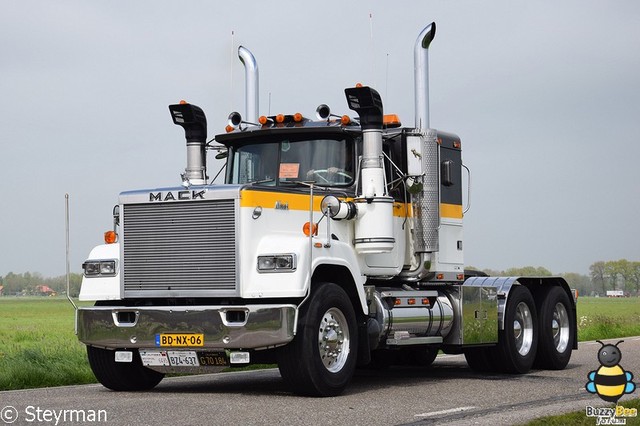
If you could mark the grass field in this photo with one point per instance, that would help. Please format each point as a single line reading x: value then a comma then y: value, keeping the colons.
x: 608, y: 318
x: 38, y: 346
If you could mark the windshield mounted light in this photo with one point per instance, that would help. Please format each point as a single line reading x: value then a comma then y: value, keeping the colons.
x: 277, y: 263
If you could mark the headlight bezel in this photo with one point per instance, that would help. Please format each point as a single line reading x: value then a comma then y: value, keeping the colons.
x: 273, y: 263
x: 100, y: 268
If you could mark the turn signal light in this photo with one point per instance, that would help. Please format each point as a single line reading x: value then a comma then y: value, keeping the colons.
x: 110, y: 237
x: 229, y: 128
x: 307, y: 229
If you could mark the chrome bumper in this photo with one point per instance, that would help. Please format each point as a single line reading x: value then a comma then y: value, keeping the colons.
x: 224, y: 327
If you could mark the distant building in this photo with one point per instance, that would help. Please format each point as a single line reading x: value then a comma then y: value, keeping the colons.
x: 45, y: 290
x: 615, y: 293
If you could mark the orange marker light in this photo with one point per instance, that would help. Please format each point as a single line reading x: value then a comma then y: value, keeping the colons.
x: 307, y: 229
x: 110, y: 237
x: 358, y: 85
x: 391, y: 120
x: 425, y: 301
x: 345, y: 119
x: 183, y: 102
x: 263, y: 119
x: 297, y: 117
x: 279, y: 118
x: 411, y: 301
x: 397, y: 302
x: 440, y: 276
x: 229, y: 128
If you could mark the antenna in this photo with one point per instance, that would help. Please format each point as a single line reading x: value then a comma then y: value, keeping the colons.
x: 373, y: 57
x: 231, y: 71
x: 386, y: 82
x: 66, y: 229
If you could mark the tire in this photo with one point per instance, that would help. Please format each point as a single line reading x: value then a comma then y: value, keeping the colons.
x: 480, y: 359
x: 557, y: 330
x: 121, y: 376
x: 518, y: 342
x: 419, y: 356
x: 321, y: 359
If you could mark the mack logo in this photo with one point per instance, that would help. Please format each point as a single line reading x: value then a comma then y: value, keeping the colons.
x: 176, y: 195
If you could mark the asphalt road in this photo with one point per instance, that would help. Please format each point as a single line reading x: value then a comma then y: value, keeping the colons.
x: 447, y: 393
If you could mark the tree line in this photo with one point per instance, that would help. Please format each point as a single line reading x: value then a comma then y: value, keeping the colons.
x: 616, y: 275
x: 32, y: 284
x: 603, y: 275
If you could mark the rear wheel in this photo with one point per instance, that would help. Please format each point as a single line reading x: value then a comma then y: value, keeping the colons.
x: 121, y: 376
x: 557, y: 330
x: 321, y: 359
x: 518, y: 342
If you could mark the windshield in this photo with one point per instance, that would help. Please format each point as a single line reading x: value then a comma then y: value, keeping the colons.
x: 327, y: 162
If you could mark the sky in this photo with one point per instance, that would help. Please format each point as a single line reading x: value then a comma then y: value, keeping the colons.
x: 544, y: 94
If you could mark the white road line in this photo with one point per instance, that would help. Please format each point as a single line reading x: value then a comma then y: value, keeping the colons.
x: 439, y: 413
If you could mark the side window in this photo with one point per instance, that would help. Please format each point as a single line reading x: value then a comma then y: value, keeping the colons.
x: 395, y: 185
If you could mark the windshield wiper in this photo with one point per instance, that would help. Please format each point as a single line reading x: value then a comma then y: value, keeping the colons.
x: 258, y: 182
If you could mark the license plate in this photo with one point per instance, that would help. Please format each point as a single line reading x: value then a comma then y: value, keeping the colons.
x: 183, y: 358
x: 154, y: 358
x: 213, y: 359
x: 180, y: 340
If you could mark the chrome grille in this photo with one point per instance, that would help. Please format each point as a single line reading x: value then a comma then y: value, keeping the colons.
x: 179, y: 249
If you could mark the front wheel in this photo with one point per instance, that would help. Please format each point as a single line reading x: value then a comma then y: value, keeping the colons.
x: 321, y: 359
x: 121, y: 376
x: 557, y: 330
x: 518, y: 342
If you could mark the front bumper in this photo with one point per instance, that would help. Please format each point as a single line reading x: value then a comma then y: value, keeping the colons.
x: 224, y: 327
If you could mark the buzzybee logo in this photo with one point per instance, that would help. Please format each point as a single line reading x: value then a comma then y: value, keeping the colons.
x: 610, y: 381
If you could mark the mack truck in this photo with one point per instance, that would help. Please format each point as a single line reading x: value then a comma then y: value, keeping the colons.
x: 334, y: 243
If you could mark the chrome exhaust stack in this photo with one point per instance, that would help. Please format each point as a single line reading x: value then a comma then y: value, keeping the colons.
x: 423, y: 154
x: 421, y: 75
x: 251, y: 83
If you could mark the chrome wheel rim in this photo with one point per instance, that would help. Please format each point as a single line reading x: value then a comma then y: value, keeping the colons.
x: 523, y: 329
x: 560, y: 327
x: 333, y: 340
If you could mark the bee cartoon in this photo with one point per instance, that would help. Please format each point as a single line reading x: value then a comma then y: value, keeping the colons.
x: 610, y: 381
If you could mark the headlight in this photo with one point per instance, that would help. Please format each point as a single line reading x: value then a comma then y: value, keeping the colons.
x: 277, y: 263
x: 99, y: 268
